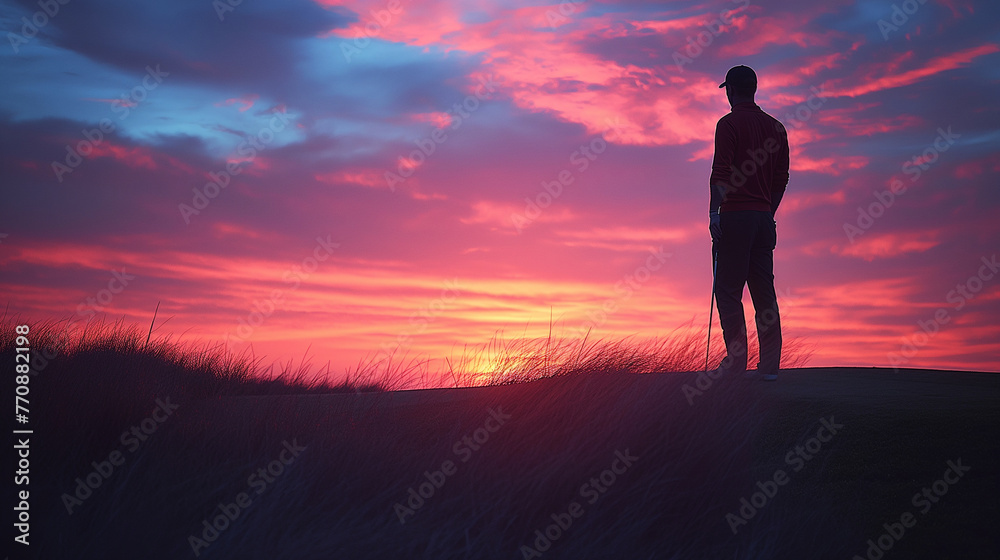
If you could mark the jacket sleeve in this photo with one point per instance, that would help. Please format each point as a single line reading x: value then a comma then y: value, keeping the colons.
x: 779, y: 178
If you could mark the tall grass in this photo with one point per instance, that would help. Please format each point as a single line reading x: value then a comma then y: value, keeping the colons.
x: 123, y: 353
x: 503, y: 361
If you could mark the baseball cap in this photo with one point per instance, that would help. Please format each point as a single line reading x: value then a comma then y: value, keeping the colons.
x: 740, y: 76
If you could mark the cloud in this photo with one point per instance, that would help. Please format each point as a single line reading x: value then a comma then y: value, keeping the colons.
x: 880, y: 78
x: 602, y: 75
x: 873, y: 246
x: 253, y: 47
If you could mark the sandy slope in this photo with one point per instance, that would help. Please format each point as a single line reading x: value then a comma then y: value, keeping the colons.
x: 900, y: 431
x: 924, y: 389
x: 871, y: 442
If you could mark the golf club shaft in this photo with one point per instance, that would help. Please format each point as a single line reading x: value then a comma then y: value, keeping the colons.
x: 711, y: 305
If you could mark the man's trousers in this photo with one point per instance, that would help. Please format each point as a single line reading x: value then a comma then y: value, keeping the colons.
x: 745, y: 253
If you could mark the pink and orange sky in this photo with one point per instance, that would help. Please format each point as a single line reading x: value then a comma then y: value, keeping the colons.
x: 415, y: 176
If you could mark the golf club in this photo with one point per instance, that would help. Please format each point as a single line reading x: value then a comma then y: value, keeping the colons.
x: 711, y: 305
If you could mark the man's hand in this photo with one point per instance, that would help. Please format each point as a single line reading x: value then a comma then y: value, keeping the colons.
x: 713, y: 225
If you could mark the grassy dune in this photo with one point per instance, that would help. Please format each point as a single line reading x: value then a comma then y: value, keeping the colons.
x: 501, y: 465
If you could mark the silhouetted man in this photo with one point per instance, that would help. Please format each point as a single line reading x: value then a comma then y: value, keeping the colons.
x: 749, y: 175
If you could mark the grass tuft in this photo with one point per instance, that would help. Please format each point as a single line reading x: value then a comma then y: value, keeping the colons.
x: 504, y: 361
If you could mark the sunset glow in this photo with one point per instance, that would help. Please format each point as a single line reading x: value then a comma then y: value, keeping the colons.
x: 344, y: 179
